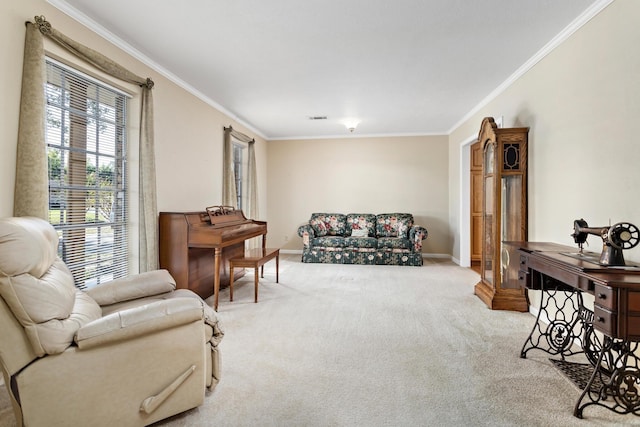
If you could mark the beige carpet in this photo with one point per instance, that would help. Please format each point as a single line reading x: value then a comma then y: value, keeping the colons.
x: 350, y: 345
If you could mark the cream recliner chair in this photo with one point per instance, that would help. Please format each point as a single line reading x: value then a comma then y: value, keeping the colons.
x: 125, y: 353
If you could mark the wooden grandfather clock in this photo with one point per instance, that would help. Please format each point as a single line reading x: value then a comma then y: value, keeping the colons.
x: 504, y: 214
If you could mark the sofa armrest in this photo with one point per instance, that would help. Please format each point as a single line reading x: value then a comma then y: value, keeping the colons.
x: 133, y: 287
x: 138, y: 321
x: 307, y: 233
x: 416, y: 235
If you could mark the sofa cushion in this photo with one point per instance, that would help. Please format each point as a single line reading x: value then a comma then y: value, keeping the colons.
x: 360, y: 242
x: 328, y: 224
x: 327, y: 242
x: 393, y: 224
x: 357, y: 221
x: 394, y: 244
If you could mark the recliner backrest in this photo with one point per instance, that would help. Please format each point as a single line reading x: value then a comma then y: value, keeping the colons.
x: 38, y: 287
x: 27, y: 245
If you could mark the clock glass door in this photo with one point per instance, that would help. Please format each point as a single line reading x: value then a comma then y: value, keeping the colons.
x: 488, y: 215
x: 510, y: 226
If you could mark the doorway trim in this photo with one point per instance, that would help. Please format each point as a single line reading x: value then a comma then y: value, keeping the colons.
x: 465, y: 197
x: 465, y: 201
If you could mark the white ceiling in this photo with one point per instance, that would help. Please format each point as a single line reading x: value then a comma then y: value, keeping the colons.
x: 403, y: 67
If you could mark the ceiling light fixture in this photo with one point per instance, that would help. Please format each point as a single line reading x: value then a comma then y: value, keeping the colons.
x: 351, y: 124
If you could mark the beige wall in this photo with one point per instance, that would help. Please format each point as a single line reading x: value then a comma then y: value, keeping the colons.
x: 189, y: 132
x: 582, y: 104
x: 368, y: 175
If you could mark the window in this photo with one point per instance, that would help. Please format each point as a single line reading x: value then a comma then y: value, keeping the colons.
x: 86, y: 146
x: 239, y: 168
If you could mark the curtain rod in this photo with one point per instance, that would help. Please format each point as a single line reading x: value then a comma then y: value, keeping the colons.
x: 239, y: 135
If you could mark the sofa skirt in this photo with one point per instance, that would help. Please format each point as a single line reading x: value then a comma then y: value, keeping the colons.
x: 346, y: 256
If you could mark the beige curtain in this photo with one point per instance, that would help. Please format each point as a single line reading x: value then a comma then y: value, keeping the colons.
x: 148, y: 205
x: 31, y: 190
x: 252, y: 184
x: 31, y: 195
x: 229, y: 194
x: 252, y: 193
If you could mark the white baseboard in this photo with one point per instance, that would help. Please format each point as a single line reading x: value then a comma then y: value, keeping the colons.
x: 291, y: 251
x: 534, y: 311
x: 443, y: 256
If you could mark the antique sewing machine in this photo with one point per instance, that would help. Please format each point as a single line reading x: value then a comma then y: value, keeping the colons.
x: 615, y: 238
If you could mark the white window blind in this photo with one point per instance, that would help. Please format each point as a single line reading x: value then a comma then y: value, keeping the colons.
x: 238, y: 173
x: 85, y: 136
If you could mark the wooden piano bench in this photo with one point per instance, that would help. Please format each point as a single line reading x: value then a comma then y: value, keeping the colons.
x: 254, y: 258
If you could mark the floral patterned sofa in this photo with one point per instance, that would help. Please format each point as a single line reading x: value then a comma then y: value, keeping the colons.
x: 383, y: 239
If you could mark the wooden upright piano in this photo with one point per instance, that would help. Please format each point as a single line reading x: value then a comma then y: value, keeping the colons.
x: 195, y: 246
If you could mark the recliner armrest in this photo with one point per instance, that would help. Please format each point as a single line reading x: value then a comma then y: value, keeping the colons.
x: 133, y: 287
x: 139, y: 321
